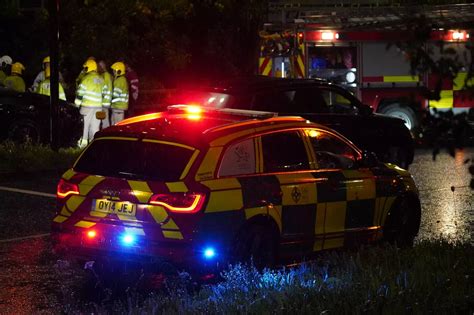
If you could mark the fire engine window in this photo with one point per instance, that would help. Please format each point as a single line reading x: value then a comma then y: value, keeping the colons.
x: 239, y: 159
x: 134, y: 160
x: 331, y: 152
x: 335, y: 64
x: 284, y: 152
x: 338, y: 103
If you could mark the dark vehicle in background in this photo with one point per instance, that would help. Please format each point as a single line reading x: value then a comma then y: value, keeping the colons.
x: 25, y: 117
x: 315, y: 100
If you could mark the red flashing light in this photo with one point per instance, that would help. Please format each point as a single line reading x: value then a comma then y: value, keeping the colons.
x: 65, y: 189
x: 458, y: 35
x: 136, y: 119
x: 179, y: 202
x: 300, y: 35
x: 91, y: 234
x: 193, y: 112
x: 329, y: 35
x: 450, y: 35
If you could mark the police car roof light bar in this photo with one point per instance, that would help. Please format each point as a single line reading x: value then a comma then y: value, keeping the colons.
x: 181, y: 108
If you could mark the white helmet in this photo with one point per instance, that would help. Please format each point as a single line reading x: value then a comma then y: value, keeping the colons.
x: 7, y: 60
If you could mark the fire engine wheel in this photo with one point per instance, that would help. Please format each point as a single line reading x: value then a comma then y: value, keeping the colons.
x: 403, y: 112
x: 403, y: 223
x: 256, y: 244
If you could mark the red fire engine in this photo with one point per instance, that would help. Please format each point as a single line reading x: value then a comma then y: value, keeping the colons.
x: 365, y: 59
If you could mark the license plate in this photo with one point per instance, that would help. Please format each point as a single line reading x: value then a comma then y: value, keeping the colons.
x: 115, y: 207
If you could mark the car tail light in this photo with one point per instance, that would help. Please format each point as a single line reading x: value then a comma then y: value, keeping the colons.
x: 179, y: 202
x: 65, y: 189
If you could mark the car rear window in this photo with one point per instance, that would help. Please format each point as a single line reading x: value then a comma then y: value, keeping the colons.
x: 134, y: 160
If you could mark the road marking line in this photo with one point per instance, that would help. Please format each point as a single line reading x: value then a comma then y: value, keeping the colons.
x: 24, y: 238
x: 28, y: 192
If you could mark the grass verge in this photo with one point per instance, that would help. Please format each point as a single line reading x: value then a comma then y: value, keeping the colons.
x: 17, y: 158
x: 433, y: 277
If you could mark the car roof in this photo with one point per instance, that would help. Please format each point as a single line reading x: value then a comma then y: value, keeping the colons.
x: 259, y: 82
x: 211, y: 128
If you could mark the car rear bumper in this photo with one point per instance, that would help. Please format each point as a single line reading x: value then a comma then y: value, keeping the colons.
x: 177, y: 255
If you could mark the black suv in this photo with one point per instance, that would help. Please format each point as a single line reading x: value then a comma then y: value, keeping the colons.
x: 316, y: 100
x: 24, y: 117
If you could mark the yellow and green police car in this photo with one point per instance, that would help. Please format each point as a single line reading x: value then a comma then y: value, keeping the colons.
x: 194, y: 187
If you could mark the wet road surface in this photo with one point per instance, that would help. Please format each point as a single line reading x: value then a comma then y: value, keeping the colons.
x: 446, y: 199
x: 31, y: 281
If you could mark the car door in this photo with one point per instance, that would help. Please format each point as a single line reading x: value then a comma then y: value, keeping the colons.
x: 346, y: 193
x: 285, y: 158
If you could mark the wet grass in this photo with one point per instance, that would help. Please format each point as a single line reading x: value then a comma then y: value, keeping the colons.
x: 20, y: 158
x: 433, y: 277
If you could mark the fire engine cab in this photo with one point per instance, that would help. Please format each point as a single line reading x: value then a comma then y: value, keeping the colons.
x: 356, y: 46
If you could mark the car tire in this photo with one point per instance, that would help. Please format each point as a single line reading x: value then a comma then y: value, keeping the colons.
x: 256, y: 244
x: 404, y: 112
x: 24, y: 131
x: 403, y: 223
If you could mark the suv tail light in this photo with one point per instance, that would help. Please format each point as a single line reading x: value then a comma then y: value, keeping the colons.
x: 179, y: 202
x: 65, y: 189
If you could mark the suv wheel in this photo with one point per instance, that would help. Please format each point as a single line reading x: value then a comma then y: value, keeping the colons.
x: 24, y: 132
x: 403, y: 112
x: 403, y: 223
x: 258, y: 244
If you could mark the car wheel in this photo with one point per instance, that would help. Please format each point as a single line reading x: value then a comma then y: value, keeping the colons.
x: 403, y: 223
x: 24, y: 132
x: 256, y: 244
x: 403, y: 112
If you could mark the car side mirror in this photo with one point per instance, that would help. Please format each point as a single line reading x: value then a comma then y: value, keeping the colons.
x: 369, y: 159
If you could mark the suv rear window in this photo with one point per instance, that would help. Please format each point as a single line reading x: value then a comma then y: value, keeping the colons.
x: 134, y: 160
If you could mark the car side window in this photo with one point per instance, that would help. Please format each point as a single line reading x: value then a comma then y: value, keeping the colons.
x: 274, y: 101
x: 331, y: 152
x: 337, y: 102
x: 309, y: 100
x: 238, y: 159
x: 284, y: 152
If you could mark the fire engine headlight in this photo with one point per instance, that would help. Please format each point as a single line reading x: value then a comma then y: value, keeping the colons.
x: 350, y: 77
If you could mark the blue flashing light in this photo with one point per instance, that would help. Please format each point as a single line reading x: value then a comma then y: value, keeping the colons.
x: 209, y: 253
x: 128, y: 239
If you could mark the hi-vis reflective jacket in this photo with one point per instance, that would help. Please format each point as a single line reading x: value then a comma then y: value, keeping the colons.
x: 15, y: 82
x: 45, y: 88
x: 108, y: 79
x: 120, y: 93
x: 92, y: 91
